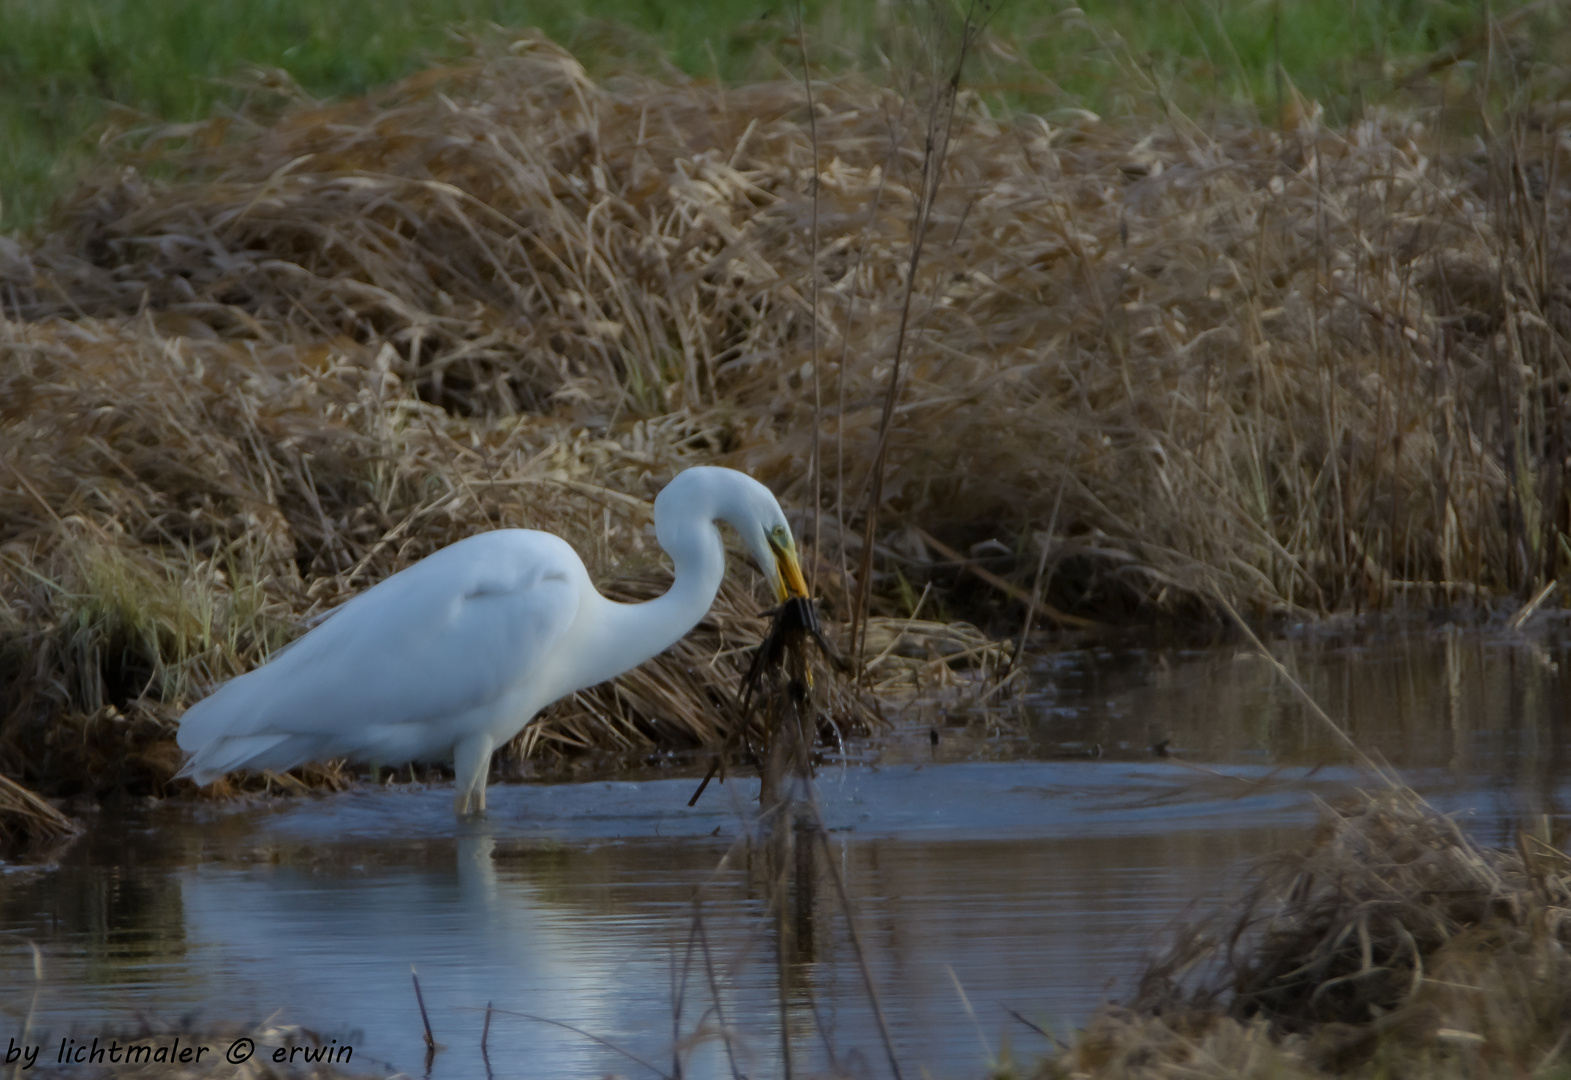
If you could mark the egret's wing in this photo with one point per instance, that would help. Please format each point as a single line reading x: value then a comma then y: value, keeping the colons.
x: 450, y: 634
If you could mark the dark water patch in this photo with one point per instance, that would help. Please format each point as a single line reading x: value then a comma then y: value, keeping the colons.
x: 1474, y: 703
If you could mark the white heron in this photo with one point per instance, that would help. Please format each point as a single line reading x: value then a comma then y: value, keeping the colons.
x: 450, y: 658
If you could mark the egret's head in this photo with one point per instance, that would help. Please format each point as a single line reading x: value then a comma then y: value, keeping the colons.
x: 750, y: 508
x: 764, y: 529
x: 782, y: 568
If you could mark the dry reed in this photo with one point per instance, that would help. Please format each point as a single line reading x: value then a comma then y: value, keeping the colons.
x: 1302, y: 368
x: 1391, y: 945
x: 270, y: 358
x: 29, y: 825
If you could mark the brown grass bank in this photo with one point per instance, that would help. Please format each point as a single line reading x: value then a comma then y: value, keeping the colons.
x: 1391, y: 945
x: 268, y: 359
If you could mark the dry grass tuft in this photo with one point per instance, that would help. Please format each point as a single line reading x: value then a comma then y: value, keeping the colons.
x: 1391, y: 945
x: 29, y: 825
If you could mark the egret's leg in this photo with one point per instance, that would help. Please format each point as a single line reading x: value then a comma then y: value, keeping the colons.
x: 471, y: 764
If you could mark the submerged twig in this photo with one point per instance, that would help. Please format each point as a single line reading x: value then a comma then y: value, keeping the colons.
x: 485, y: 1035
x: 431, y: 1045
x: 714, y: 992
x: 822, y: 832
x: 592, y: 1037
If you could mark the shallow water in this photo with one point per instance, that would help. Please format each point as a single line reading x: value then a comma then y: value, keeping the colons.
x: 1034, y: 884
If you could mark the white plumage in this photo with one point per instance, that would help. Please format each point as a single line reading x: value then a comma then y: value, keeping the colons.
x: 452, y: 657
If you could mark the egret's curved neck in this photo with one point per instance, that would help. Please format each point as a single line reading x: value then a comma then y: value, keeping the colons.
x: 625, y: 635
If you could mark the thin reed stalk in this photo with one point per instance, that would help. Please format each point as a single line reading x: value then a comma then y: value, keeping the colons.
x: 935, y: 148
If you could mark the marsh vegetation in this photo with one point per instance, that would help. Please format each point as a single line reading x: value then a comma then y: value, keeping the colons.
x: 1039, y: 325
x: 1153, y: 364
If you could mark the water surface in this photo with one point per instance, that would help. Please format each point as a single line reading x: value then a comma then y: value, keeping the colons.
x: 1035, y: 884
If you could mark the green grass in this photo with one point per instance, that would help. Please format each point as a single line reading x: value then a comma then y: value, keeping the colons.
x: 68, y: 66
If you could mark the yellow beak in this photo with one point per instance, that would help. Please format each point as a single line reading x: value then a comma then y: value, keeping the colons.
x: 788, y: 579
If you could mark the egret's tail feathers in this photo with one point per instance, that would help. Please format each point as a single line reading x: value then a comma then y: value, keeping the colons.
x: 225, y: 755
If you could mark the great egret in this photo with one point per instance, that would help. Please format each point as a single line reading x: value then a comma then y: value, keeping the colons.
x: 451, y: 657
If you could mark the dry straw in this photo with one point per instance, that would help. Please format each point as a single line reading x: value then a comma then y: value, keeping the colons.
x: 274, y: 357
